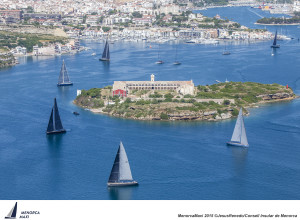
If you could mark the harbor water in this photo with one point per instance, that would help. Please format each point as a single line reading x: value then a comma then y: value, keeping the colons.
x: 170, y: 160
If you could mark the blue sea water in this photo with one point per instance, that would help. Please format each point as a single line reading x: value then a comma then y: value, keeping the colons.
x: 170, y: 160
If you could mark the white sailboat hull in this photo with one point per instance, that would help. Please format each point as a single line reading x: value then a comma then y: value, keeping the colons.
x: 123, y: 184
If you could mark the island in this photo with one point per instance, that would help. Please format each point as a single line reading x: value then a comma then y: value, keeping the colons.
x: 179, y: 100
x: 295, y: 20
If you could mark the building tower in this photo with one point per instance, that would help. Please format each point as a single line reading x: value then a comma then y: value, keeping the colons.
x: 152, y: 77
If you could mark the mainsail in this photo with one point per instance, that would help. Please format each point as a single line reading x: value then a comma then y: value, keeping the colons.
x: 105, y: 54
x: 239, y: 132
x: 13, y: 212
x: 55, y: 125
x: 63, y: 76
x: 275, y: 39
x: 121, y: 168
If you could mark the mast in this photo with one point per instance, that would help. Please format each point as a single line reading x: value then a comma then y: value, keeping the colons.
x: 63, y: 72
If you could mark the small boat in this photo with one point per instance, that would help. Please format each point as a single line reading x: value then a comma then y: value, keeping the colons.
x: 105, y: 54
x: 55, y: 125
x: 190, y: 42
x: 13, y: 212
x: 93, y: 54
x: 176, y: 62
x: 275, y: 45
x: 76, y: 113
x: 64, y: 79
x: 120, y: 174
x: 239, y: 137
x: 158, y: 57
x: 226, y: 53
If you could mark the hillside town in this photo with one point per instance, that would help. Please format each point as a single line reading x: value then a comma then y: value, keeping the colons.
x: 148, y: 20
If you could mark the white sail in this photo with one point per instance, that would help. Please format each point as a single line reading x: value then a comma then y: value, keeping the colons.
x: 10, y: 213
x: 239, y: 132
x: 125, y: 172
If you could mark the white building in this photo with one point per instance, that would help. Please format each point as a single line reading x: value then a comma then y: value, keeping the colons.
x: 182, y: 87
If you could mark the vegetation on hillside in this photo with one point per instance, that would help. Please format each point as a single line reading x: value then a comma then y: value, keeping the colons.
x: 217, y: 101
x: 12, y: 39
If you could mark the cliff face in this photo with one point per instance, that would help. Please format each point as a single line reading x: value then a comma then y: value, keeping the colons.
x: 276, y: 96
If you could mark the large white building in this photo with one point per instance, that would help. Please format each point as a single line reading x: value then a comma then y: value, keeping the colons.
x: 125, y: 87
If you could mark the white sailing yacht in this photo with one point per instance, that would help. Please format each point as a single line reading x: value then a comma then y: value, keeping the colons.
x: 120, y: 174
x: 239, y: 137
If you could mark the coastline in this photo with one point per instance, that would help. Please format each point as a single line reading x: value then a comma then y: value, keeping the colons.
x: 208, y: 103
x: 276, y: 24
x: 191, y: 117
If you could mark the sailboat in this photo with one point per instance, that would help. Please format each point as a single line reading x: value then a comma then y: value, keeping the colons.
x: 275, y: 45
x: 105, y: 54
x: 120, y: 174
x: 158, y: 57
x: 225, y: 52
x: 64, y: 79
x: 239, y: 137
x: 176, y: 62
x: 55, y: 125
x: 13, y: 212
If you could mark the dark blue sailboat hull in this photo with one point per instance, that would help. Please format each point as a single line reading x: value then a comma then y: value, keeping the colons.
x: 56, y: 132
x: 64, y: 84
x: 231, y: 143
x: 275, y: 46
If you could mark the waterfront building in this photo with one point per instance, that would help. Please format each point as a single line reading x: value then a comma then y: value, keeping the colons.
x: 35, y: 50
x: 123, y: 88
x: 14, y: 14
x: 42, y: 16
x: 19, y: 50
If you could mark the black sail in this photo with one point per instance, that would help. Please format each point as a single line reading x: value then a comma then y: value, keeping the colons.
x: 105, y: 54
x: 50, y: 124
x: 275, y: 39
x: 55, y: 125
x: 115, y: 171
x: 58, y: 124
x: 14, y: 213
